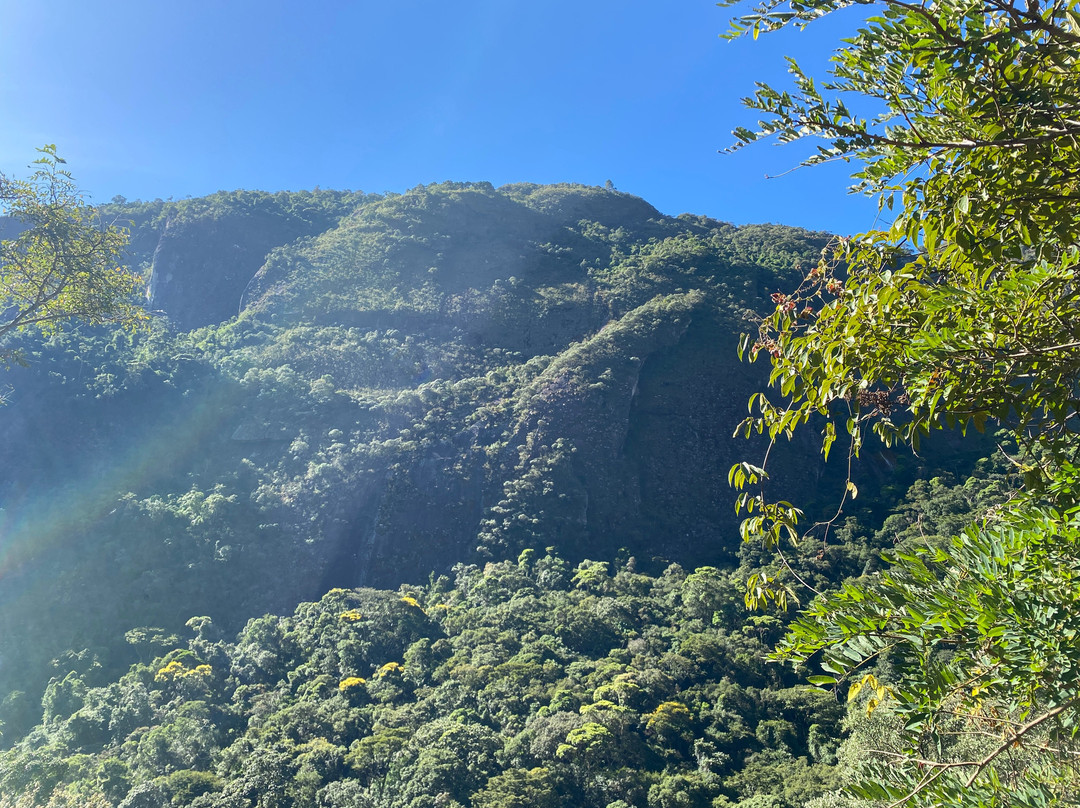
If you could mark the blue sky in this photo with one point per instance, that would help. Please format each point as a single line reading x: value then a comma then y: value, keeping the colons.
x: 154, y: 99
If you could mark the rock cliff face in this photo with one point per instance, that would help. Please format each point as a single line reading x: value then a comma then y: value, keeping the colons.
x: 200, y: 268
x: 206, y: 254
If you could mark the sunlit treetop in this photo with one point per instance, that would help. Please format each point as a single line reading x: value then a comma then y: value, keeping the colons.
x: 64, y: 263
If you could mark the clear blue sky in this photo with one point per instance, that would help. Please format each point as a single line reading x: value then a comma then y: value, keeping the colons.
x: 157, y: 99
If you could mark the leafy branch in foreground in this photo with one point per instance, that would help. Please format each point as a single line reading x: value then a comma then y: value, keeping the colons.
x: 964, y: 310
x: 981, y: 640
x: 65, y: 263
x: 977, y: 126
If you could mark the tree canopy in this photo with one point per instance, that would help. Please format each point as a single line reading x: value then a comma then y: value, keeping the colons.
x: 63, y: 262
x: 527, y: 684
x: 962, y: 119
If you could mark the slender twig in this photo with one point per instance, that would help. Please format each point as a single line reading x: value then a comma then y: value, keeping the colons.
x: 1015, y: 738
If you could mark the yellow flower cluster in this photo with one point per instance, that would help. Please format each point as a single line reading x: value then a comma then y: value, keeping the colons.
x: 176, y: 670
x: 389, y: 668
x: 409, y: 600
x: 669, y: 714
x: 351, y: 683
x: 351, y: 616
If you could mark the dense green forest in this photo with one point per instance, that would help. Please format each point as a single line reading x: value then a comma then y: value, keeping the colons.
x: 519, y: 683
x: 424, y: 499
x: 458, y: 395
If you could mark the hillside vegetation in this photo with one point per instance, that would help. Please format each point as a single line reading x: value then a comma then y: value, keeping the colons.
x: 528, y: 683
x: 347, y: 390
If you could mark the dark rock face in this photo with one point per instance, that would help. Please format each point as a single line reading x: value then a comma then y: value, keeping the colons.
x: 202, y: 266
x: 206, y: 251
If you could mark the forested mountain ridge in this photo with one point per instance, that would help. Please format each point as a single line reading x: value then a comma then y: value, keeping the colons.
x: 452, y: 375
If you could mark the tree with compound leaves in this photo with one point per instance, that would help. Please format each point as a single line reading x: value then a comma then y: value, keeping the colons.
x: 964, y: 309
x: 63, y: 263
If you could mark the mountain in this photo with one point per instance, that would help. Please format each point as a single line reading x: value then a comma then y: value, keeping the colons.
x: 350, y: 390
